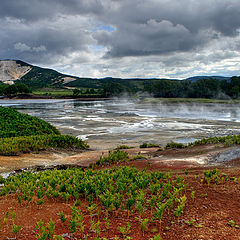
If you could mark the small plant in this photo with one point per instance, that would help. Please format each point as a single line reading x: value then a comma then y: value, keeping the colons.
x: 140, y: 208
x: 73, y: 225
x: 156, y: 237
x: 212, y: 176
x: 129, y: 203
x: 92, y: 208
x: 159, y: 212
x: 40, y: 202
x: 125, y: 230
x: 45, y: 232
x: 179, y: 209
x: 154, y: 230
x: 58, y: 237
x: 5, y: 219
x: 13, y: 215
x: 193, y: 195
x: 107, y: 222
x: 19, y: 199
x: 143, y: 224
x: 2, y: 180
x: 77, y: 203
x: 95, y: 226
x: 233, y: 224
x: 191, y: 222
x: 16, y: 229
x: 76, y: 221
x: 62, y: 217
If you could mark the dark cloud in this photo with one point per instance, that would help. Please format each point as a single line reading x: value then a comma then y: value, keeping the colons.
x: 40, y: 43
x: 33, y: 10
x: 162, y: 27
x: 151, y: 38
x: 104, y: 31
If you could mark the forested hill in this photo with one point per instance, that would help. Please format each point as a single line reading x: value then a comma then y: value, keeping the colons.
x: 194, y: 87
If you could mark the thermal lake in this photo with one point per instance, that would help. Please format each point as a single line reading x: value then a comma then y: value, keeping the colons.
x: 107, y: 124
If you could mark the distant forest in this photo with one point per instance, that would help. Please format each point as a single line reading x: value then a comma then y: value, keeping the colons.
x: 202, y: 88
x: 164, y: 88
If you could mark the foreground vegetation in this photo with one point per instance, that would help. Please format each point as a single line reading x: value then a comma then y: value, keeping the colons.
x: 23, y: 133
x: 117, y: 191
x: 146, y: 203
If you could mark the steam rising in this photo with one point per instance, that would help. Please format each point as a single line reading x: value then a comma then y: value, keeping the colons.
x: 107, y: 124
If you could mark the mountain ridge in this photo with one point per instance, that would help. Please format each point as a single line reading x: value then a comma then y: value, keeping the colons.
x: 37, y: 77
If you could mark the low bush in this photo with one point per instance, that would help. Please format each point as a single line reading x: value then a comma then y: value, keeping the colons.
x: 16, y: 145
x: 174, y: 145
x: 148, y: 145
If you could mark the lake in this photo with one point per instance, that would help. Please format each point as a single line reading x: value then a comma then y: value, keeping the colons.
x: 107, y: 124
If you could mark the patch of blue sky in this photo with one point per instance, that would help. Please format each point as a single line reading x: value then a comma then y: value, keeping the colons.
x: 96, y: 48
x: 107, y: 28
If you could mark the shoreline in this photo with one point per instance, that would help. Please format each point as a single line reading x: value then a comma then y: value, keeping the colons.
x: 29, y: 97
x: 99, y: 98
x: 197, y: 157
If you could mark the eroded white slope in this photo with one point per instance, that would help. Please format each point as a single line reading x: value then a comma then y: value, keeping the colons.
x: 10, y: 71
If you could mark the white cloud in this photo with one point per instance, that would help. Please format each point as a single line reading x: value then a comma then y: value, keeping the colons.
x: 22, y: 47
x: 39, y: 49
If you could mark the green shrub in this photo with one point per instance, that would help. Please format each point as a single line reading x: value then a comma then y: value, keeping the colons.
x: 16, y: 145
x: 148, y: 145
x: 123, y: 147
x: 113, y: 157
x: 174, y: 145
x: 226, y: 140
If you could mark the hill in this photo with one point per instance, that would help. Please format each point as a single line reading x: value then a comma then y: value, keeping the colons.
x: 15, y: 124
x: 12, y: 71
x: 196, y: 78
x: 21, y: 133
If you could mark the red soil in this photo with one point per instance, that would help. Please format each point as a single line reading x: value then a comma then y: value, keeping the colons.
x: 212, y: 208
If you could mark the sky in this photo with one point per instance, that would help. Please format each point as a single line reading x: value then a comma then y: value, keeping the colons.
x: 124, y: 38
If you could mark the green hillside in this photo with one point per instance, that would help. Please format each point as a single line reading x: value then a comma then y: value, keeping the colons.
x: 15, y: 124
x: 41, y: 77
x: 21, y: 133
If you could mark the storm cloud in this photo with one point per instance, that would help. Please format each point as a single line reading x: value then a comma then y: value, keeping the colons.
x: 122, y: 38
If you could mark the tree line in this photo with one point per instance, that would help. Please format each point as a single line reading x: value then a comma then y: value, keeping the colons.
x: 16, y: 88
x: 202, y: 88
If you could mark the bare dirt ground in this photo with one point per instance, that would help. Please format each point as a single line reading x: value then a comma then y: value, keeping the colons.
x: 198, y: 156
x: 212, y: 208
